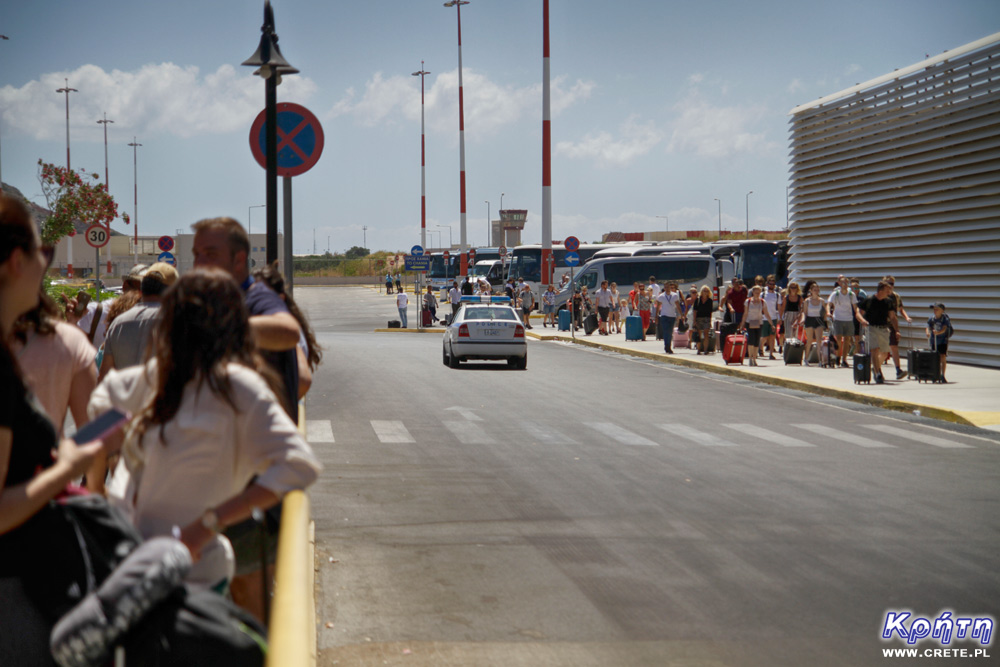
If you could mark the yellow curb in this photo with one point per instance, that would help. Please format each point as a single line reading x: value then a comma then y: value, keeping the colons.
x: 954, y: 416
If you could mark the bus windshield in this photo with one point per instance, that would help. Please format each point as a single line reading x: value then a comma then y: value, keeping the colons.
x: 761, y: 259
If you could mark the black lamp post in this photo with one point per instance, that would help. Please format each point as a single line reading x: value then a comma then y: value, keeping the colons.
x: 272, y: 65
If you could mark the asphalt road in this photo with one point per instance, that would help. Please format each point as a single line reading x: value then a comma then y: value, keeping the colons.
x: 601, y: 510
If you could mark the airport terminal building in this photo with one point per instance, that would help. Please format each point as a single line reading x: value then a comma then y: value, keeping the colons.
x: 901, y: 175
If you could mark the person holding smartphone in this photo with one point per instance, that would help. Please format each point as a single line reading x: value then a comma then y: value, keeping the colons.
x: 29, y: 474
x: 211, y: 441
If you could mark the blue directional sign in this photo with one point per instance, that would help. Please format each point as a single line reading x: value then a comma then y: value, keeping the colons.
x: 412, y: 263
x: 572, y: 259
x: 166, y: 257
x: 417, y: 251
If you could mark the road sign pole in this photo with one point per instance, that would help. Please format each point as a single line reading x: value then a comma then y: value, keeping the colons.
x: 287, y: 201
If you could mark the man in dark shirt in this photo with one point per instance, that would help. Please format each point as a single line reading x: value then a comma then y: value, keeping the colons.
x: 223, y: 243
x: 736, y: 297
x: 876, y: 313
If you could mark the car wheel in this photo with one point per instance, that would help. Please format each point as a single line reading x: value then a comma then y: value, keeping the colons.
x: 521, y: 363
x: 452, y: 360
x: 444, y: 356
x: 512, y: 362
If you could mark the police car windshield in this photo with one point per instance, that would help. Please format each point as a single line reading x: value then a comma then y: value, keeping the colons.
x: 487, y: 313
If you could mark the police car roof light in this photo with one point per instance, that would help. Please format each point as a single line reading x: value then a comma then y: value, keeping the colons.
x: 485, y: 298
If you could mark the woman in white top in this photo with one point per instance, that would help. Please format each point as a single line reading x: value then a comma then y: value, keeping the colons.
x: 755, y: 313
x: 813, y: 315
x: 209, y: 441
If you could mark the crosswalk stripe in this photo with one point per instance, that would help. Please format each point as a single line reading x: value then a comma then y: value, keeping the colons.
x: 768, y: 435
x: 319, y: 430
x: 468, y: 433
x: 391, y: 432
x: 843, y: 436
x: 546, y: 434
x: 618, y: 434
x: 919, y: 437
x: 696, y: 436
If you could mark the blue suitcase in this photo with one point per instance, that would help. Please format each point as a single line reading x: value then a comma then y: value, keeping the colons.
x: 633, y: 327
x: 564, y: 319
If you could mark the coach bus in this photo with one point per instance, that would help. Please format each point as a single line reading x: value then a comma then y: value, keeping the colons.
x: 526, y: 262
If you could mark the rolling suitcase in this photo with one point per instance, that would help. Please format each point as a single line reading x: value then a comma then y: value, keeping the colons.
x: 681, y: 339
x: 925, y: 365
x: 425, y: 318
x: 712, y: 341
x: 590, y: 324
x: 794, y: 349
x: 395, y: 324
x: 734, y: 349
x: 565, y: 318
x: 653, y: 325
x: 862, y: 368
x: 633, y: 327
x: 727, y: 329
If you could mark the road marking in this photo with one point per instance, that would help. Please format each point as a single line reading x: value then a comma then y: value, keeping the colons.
x: 843, y: 436
x: 468, y: 414
x: 468, y: 433
x: 696, y: 436
x: 547, y: 434
x: 319, y: 430
x: 618, y: 434
x: 391, y: 432
x: 919, y: 437
x: 769, y: 436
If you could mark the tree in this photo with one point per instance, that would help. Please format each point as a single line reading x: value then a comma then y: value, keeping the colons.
x: 72, y: 196
x: 357, y: 252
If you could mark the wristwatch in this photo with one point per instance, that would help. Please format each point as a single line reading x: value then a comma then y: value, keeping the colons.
x: 210, y: 520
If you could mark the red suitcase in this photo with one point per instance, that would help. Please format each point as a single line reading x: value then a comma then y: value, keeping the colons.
x: 735, y: 349
x: 425, y: 315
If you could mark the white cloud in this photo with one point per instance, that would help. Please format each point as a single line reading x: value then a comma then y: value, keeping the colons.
x: 713, y: 131
x: 851, y: 69
x: 795, y: 86
x: 696, y: 78
x: 488, y: 105
x: 163, y: 98
x: 634, y: 139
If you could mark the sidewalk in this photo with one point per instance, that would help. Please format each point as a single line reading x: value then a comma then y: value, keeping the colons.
x: 971, y: 396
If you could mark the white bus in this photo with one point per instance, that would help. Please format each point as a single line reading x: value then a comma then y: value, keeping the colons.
x: 526, y: 262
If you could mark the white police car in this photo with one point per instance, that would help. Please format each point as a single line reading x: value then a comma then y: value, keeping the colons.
x: 485, y: 327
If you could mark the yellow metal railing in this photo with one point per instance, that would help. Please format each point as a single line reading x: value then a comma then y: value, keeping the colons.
x: 292, y: 626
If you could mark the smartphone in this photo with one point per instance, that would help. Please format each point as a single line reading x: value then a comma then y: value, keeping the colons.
x: 103, y: 426
x: 82, y: 299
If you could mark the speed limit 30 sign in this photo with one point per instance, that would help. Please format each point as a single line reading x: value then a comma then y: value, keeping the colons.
x: 97, y: 236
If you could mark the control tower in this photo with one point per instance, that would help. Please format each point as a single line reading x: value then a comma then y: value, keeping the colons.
x: 507, y: 230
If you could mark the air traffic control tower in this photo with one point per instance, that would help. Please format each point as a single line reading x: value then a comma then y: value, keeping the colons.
x: 507, y: 230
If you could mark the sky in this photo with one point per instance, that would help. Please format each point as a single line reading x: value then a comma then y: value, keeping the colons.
x: 658, y: 108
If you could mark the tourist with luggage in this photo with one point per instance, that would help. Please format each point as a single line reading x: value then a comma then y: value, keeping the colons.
x: 843, y: 304
x: 527, y: 302
x: 703, y: 308
x: 768, y: 331
x: 813, y: 316
x: 876, y: 314
x: 644, y: 303
x: 789, y: 312
x: 431, y: 303
x: 939, y: 331
x: 755, y: 314
x: 604, y: 299
x: 732, y: 304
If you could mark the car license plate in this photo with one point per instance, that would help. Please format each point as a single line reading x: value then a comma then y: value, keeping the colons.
x: 491, y: 332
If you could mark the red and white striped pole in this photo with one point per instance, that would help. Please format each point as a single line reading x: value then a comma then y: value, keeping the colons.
x: 464, y: 246
x: 547, y: 267
x: 423, y: 162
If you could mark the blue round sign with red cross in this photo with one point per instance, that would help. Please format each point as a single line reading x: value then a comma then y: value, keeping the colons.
x: 300, y: 139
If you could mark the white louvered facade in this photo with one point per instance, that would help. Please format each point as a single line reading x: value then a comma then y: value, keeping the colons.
x: 901, y: 176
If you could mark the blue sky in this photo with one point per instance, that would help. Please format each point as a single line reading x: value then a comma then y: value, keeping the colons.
x: 658, y: 107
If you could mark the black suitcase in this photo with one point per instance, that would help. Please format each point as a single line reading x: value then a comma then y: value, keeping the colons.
x: 395, y: 324
x: 862, y: 368
x: 651, y: 329
x: 590, y: 324
x: 794, y: 349
x: 924, y: 365
x: 727, y: 329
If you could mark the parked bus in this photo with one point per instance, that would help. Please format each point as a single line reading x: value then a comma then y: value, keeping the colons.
x: 443, y: 272
x: 757, y: 257
x: 654, y: 250
x: 686, y: 269
x: 526, y: 262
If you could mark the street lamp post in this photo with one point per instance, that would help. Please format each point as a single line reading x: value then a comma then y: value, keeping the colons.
x: 107, y: 187
x: 720, y: 216
x: 748, y: 213
x: 464, y: 263
x: 450, y: 244
x: 272, y: 65
x: 249, y: 232
x: 489, y: 225
x: 423, y: 163
x: 69, y: 243
x: 135, y: 200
